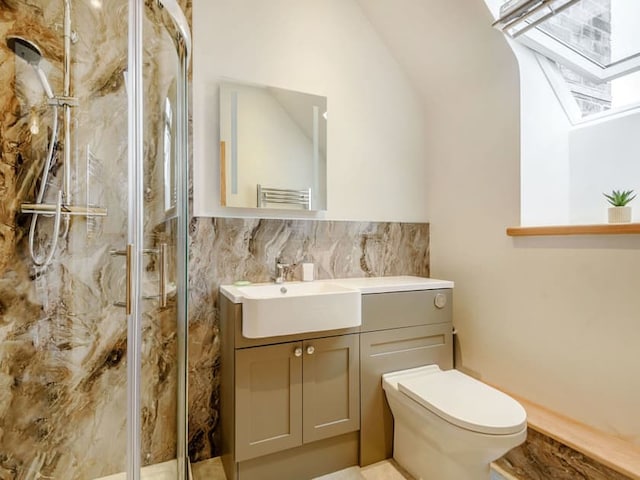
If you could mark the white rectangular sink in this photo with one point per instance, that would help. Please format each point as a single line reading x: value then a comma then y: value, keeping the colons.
x: 298, y: 307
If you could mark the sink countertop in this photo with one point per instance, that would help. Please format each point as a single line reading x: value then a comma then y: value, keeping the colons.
x: 364, y: 284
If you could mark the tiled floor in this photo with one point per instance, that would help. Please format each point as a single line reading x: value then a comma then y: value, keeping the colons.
x: 385, y: 470
x: 159, y: 471
x: 351, y: 473
x: 208, y: 470
x: 498, y: 474
x: 388, y: 470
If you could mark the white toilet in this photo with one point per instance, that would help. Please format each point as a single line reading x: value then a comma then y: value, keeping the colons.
x: 449, y: 426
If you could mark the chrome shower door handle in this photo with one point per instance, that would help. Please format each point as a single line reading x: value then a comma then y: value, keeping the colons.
x: 162, y: 256
x: 129, y: 279
x: 162, y: 273
x: 128, y: 254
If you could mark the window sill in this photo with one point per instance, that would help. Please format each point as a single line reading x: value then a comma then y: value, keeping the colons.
x: 597, y: 229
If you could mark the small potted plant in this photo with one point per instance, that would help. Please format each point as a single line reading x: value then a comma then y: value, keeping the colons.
x: 619, y: 212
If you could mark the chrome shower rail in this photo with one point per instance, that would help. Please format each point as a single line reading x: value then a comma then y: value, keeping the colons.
x: 69, y: 210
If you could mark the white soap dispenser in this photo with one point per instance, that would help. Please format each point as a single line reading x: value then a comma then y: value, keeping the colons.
x: 307, y: 272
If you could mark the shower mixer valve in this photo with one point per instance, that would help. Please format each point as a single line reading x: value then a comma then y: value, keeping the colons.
x: 62, y: 101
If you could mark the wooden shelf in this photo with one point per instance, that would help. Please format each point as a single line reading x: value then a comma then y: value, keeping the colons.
x: 597, y: 229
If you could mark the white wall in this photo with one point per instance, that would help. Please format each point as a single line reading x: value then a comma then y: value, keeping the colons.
x: 376, y: 148
x: 604, y: 156
x: 544, y: 147
x: 556, y: 320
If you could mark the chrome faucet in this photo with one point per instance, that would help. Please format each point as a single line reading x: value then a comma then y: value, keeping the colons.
x: 281, y: 271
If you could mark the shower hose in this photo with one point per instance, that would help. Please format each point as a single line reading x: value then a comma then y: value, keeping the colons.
x: 45, y: 260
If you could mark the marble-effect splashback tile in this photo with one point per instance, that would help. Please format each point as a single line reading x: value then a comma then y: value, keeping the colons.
x: 224, y: 250
x: 543, y: 458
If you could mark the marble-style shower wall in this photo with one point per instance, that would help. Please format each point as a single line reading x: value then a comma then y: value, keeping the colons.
x: 62, y: 340
x: 224, y: 250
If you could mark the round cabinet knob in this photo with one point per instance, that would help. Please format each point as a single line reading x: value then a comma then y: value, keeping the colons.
x: 440, y: 301
x: 310, y: 349
x: 298, y: 352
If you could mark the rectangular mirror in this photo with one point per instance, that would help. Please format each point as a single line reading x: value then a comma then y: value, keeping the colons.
x: 273, y: 148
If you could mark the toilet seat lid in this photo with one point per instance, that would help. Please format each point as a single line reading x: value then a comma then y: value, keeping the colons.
x: 465, y: 402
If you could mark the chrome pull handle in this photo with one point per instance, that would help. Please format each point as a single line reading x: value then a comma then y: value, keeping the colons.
x: 298, y: 352
x: 311, y: 350
x: 162, y: 272
x: 129, y: 290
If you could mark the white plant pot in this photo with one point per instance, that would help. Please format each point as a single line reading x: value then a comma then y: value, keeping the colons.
x: 619, y: 214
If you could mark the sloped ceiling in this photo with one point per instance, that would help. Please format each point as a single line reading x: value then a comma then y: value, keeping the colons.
x: 440, y: 44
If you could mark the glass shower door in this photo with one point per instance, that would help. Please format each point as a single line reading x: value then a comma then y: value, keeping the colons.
x: 157, y: 330
x: 93, y: 219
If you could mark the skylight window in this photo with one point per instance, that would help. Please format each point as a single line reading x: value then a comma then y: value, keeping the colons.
x: 595, y: 45
x: 597, y: 38
x: 599, y: 97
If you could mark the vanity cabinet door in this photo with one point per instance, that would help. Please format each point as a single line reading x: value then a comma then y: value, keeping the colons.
x: 331, y: 387
x: 268, y: 399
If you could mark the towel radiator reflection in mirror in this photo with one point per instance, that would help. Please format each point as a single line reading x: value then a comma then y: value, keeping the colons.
x: 284, y: 196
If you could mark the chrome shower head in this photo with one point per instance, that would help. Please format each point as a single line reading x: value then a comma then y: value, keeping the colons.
x: 25, y: 49
x: 30, y: 53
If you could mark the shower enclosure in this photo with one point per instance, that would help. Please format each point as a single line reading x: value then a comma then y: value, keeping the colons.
x: 93, y: 233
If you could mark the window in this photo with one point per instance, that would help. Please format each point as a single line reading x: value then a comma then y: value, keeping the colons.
x: 579, y: 102
x: 594, y: 46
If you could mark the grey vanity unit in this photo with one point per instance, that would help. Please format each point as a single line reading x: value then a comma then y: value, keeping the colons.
x: 300, y: 406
